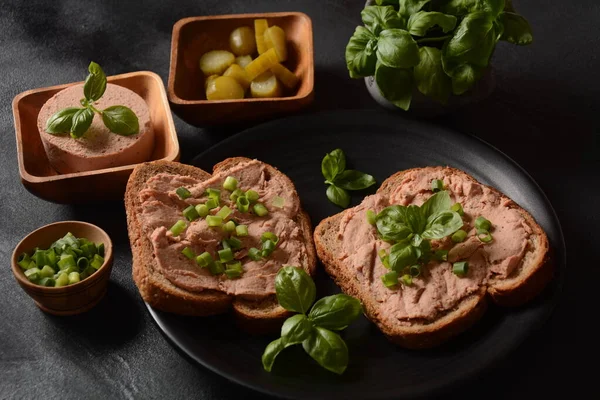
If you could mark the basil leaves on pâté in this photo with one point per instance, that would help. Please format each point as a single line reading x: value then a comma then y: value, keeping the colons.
x: 313, y: 327
x: 76, y: 121
x: 340, y: 180
x: 439, y: 47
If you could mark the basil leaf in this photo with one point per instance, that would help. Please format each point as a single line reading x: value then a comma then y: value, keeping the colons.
x: 465, y: 77
x: 421, y: 22
x: 271, y: 352
x: 333, y: 164
x: 415, y: 219
x: 328, y: 349
x: 295, y: 290
x: 395, y: 84
x: 335, y: 312
x: 338, y: 196
x: 430, y: 78
x: 391, y: 223
x: 473, y: 42
x: 82, y: 120
x: 296, y: 329
x: 516, y: 29
x: 61, y: 121
x: 360, y: 53
x: 464, y: 7
x: 95, y: 83
x: 416, y: 240
x: 495, y: 7
x: 354, y: 180
x: 442, y: 224
x: 437, y: 203
x: 120, y: 120
x: 402, y: 255
x: 393, y: 3
x: 396, y: 48
x: 410, y: 7
x: 378, y: 18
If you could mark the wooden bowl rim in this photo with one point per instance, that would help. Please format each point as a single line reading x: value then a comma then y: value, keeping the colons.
x: 69, y: 289
x: 27, y: 177
x: 173, y: 98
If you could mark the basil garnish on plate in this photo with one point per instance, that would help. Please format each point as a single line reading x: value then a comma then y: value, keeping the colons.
x: 340, y: 180
x: 313, y: 329
x: 76, y: 121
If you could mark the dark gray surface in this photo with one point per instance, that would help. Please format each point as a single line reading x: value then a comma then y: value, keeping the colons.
x: 543, y: 114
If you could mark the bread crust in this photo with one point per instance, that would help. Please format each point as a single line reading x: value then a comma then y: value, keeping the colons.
x: 254, y: 316
x: 513, y: 291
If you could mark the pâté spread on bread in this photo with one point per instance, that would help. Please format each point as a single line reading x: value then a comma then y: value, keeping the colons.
x: 231, y: 233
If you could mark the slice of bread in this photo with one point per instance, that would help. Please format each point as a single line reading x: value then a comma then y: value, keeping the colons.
x: 254, y: 315
x: 521, y: 285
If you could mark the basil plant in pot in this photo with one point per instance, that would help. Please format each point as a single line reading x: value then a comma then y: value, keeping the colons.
x: 433, y: 54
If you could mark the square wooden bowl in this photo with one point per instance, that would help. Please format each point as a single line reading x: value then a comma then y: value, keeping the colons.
x: 42, y: 180
x: 195, y: 36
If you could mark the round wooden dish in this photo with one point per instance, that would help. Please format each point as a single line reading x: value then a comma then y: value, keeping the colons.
x: 71, y: 299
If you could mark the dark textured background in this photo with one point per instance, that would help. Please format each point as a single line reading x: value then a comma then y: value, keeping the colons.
x: 543, y: 113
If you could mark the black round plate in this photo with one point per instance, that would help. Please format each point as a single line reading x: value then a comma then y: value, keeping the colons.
x: 378, y: 143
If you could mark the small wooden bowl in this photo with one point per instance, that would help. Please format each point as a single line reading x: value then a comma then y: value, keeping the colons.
x: 72, y: 299
x: 38, y: 176
x: 195, y: 36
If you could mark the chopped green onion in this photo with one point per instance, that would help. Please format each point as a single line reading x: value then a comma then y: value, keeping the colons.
x: 214, y: 221
x: 47, y: 271
x: 441, y: 255
x: 382, y: 253
x: 437, y: 185
x: 224, y: 212
x: 390, y: 279
x: 386, y: 262
x: 212, y: 203
x: 235, y: 194
x: 269, y: 236
x: 406, y: 279
x: 230, y: 183
x: 39, y: 257
x: 216, y: 268
x: 82, y: 263
x: 31, y: 265
x: 101, y: 249
x: 87, y: 272
x: 204, y: 259
x: 225, y: 255
x: 69, y: 270
x: 191, y: 214
x: 234, y: 243
x: 97, y: 262
x: 202, y: 210
x: 47, y: 281
x: 252, y: 196
x: 183, y: 193
x: 214, y: 194
x: 255, y: 254
x: 178, y: 227
x: 229, y: 227
x: 371, y: 217
x: 460, y: 268
x: 242, y: 204
x: 74, y: 278
x: 260, y: 210
x: 278, y: 202
x: 62, y: 280
x: 457, y: 207
x: 189, y: 253
x: 482, y: 224
x: 484, y: 236
x: 225, y: 244
x: 459, y: 236
x: 234, y: 270
x: 24, y: 260
x: 33, y: 274
x: 415, y: 270
x: 66, y: 261
x: 88, y: 249
x: 241, y: 230
x: 267, y: 248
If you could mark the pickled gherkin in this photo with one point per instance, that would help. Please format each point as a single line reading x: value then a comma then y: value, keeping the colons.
x: 261, y: 64
x: 216, y: 62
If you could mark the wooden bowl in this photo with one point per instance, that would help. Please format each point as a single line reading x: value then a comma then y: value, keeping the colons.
x: 194, y: 36
x: 71, y: 299
x: 42, y: 180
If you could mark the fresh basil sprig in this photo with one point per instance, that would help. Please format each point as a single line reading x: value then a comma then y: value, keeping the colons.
x: 313, y: 329
x: 340, y: 180
x: 76, y: 121
x: 439, y: 48
x: 411, y: 229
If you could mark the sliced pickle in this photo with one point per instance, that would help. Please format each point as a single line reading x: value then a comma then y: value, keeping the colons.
x: 275, y: 38
x: 266, y: 85
x: 261, y: 64
x: 239, y: 74
x: 216, y: 62
x: 287, y: 77
x: 242, y: 61
x: 224, y: 88
x: 242, y: 41
x: 260, y: 26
